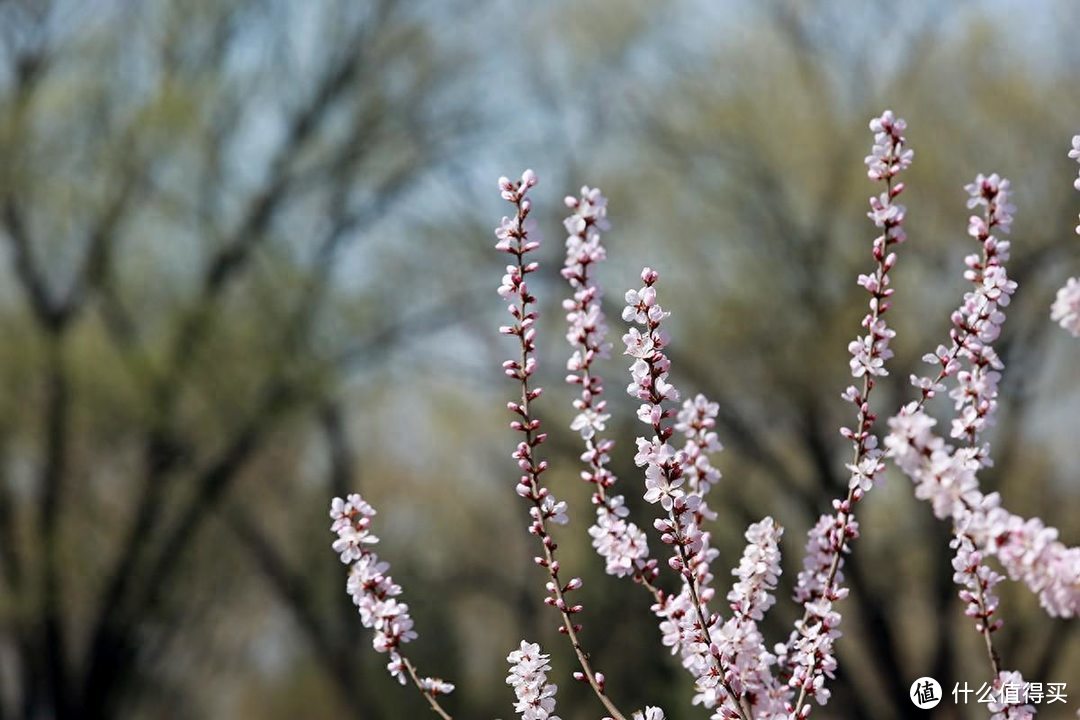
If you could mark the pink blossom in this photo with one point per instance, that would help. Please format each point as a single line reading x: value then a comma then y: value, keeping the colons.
x: 887, y: 156
x: 649, y: 713
x: 758, y: 571
x: 373, y: 591
x: 810, y: 653
x: 436, y: 686
x: 977, y: 583
x: 528, y: 678
x: 1009, y: 698
x: 1066, y: 308
x: 947, y: 477
x: 586, y: 333
x: 739, y: 641
x: 977, y: 323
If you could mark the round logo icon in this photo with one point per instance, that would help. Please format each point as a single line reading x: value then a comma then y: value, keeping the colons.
x: 925, y: 693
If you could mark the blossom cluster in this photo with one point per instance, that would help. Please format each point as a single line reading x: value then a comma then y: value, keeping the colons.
x: 1027, y: 549
x: 809, y: 658
x: 623, y: 545
x: 528, y: 678
x: 1066, y: 308
x: 697, y: 422
x: 1009, y: 699
x: 741, y: 644
x: 688, y: 625
x: 977, y: 582
x: 977, y: 323
x: 649, y: 713
x: 374, y: 592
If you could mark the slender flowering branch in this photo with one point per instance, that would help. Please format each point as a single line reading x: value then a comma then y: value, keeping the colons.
x: 812, y: 641
x: 983, y: 313
x: 947, y: 476
x: 977, y: 322
x: 975, y: 326
x: 514, y: 239
x: 664, y: 480
x: 622, y: 544
x: 373, y: 592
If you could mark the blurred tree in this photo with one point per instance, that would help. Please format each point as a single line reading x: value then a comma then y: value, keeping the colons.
x: 179, y: 185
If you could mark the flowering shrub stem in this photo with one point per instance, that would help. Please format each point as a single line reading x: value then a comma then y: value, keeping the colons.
x: 374, y: 593
x: 888, y: 158
x: 513, y: 234
x: 665, y: 474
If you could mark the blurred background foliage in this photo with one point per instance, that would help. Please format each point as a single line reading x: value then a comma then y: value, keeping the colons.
x: 247, y: 265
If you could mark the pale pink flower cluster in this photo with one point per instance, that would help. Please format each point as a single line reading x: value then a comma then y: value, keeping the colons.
x: 728, y: 660
x: 697, y: 422
x: 1066, y: 308
x: 811, y: 654
x: 977, y: 582
x: 758, y: 571
x: 887, y: 156
x: 528, y: 677
x: 1028, y: 550
x: 1008, y: 699
x: 372, y: 589
x: 741, y: 644
x: 621, y: 543
x: 971, y: 358
x: 825, y: 542
x: 649, y: 713
x: 808, y: 658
